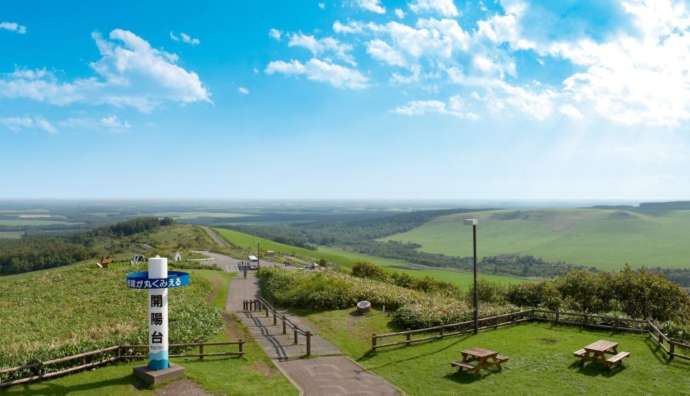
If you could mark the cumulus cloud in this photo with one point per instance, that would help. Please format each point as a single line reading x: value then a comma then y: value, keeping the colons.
x: 322, y: 71
x: 130, y: 73
x: 371, y: 5
x: 381, y: 51
x: 13, y: 27
x: 243, y: 90
x: 453, y: 107
x: 445, y: 8
x: 17, y: 124
x: 110, y: 122
x: 399, y: 13
x: 275, y: 34
x: 323, y: 46
x: 185, y: 38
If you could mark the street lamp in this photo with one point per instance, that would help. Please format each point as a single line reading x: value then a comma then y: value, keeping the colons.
x: 475, y: 303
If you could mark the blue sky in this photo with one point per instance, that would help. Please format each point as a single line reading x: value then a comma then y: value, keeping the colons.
x: 414, y: 99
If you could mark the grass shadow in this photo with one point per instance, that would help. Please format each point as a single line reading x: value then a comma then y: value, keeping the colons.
x: 369, y: 354
x: 594, y: 369
x: 48, y: 388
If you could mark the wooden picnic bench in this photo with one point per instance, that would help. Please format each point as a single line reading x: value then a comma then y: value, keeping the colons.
x: 597, y: 352
x: 475, y: 359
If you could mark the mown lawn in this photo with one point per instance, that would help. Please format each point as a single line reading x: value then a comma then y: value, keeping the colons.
x: 541, y: 360
x: 253, y: 374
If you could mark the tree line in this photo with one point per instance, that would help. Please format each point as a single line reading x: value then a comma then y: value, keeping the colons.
x: 36, y: 252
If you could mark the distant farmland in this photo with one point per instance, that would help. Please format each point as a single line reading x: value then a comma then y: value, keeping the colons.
x: 603, y: 238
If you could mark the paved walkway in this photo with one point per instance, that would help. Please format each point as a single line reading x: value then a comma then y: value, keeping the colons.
x: 326, y: 372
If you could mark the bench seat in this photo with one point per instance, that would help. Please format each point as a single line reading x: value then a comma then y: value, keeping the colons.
x: 580, y: 353
x: 618, y: 358
x: 462, y: 365
x: 502, y: 358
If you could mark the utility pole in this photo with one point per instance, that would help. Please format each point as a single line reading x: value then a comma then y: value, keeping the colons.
x: 258, y: 254
x: 475, y: 299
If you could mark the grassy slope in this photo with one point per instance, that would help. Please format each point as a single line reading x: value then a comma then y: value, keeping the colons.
x: 541, y: 360
x: 606, y: 239
x: 253, y: 374
x: 347, y: 259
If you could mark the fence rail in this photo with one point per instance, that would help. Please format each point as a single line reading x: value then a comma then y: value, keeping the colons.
x: 673, y: 348
x: 260, y: 304
x: 40, y: 370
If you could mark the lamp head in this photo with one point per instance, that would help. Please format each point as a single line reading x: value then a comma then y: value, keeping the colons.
x: 471, y: 222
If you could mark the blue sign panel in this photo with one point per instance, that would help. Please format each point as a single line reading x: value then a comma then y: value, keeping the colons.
x: 141, y: 280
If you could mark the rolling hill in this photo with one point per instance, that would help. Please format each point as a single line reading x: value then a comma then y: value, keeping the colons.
x: 605, y: 238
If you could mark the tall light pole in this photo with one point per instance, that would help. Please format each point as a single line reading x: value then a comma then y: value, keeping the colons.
x: 475, y: 301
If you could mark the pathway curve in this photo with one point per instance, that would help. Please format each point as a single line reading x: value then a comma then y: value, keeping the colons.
x: 327, y: 372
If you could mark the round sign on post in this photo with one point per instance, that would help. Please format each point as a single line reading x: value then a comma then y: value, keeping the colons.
x: 158, y: 280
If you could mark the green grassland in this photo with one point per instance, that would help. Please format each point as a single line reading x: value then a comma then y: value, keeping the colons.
x: 604, y: 238
x: 253, y: 374
x: 30, y: 222
x: 541, y: 361
x: 200, y: 215
x: 58, y: 312
x: 11, y: 234
x: 346, y: 259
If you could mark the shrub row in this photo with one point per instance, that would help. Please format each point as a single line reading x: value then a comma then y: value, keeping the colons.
x: 332, y: 290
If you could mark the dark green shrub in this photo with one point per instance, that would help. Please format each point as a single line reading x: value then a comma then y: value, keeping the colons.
x: 364, y: 269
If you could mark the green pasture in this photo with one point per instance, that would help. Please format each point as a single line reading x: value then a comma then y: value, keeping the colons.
x: 346, y: 259
x: 11, y: 234
x: 604, y: 238
x: 31, y: 222
x: 198, y: 215
x: 541, y: 360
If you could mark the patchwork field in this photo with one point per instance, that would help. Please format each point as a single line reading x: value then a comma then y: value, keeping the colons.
x: 604, y: 238
x: 541, y: 361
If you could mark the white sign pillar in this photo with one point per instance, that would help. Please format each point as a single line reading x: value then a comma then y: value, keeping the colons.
x: 158, y: 316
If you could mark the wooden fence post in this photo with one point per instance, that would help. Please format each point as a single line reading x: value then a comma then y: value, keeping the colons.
x: 440, y: 332
x: 671, y: 350
x: 201, y: 351
x: 295, y: 335
x: 284, y: 327
x: 408, y: 336
x: 373, y: 342
x: 308, y: 334
x: 241, y: 347
x: 558, y: 315
x: 275, y: 318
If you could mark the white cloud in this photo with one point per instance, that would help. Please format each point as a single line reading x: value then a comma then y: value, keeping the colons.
x: 275, y: 34
x: 445, y: 8
x: 322, y: 71
x: 13, y: 27
x: 318, y: 47
x: 381, y: 51
x: 322, y: 6
x: 243, y: 90
x: 113, y: 122
x: 570, y: 111
x: 399, y: 13
x: 185, y: 38
x: 130, y: 73
x: 371, y: 5
x: 16, y: 124
x: 454, y: 107
x: 435, y: 38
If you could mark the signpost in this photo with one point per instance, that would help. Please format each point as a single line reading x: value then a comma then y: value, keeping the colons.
x: 158, y: 280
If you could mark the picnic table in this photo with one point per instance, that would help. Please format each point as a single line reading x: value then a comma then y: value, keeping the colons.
x: 474, y: 359
x: 597, y: 352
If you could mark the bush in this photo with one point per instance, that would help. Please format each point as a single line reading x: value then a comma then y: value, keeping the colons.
x: 434, y: 312
x: 364, y: 269
x: 488, y: 292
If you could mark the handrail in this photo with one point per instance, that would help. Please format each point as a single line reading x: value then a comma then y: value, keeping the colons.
x: 260, y: 303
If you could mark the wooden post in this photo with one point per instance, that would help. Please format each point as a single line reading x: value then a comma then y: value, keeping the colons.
x: 407, y: 338
x: 294, y: 332
x: 241, y: 346
x: 266, y: 309
x: 284, y: 327
x: 308, y: 334
x: 275, y: 318
x: 373, y: 342
x: 671, y: 350
x: 558, y: 315
x: 201, y: 351
x: 440, y: 332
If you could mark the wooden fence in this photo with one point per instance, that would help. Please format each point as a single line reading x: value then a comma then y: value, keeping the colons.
x: 672, y: 348
x: 260, y: 304
x: 40, y: 370
x: 453, y: 329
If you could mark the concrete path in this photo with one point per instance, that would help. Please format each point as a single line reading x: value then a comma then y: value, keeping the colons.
x: 326, y: 372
